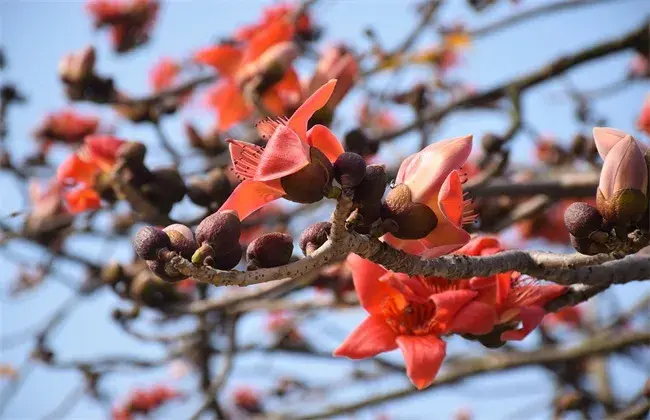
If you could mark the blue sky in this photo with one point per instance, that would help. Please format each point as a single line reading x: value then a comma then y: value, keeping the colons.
x: 36, y: 34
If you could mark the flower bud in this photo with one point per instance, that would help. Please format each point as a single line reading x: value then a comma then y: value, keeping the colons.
x: 148, y: 241
x: 581, y: 219
x: 215, y: 188
x: 76, y: 67
x: 270, y: 250
x: 228, y: 259
x: 153, y: 292
x: 356, y: 141
x: 414, y: 220
x: 308, y: 184
x: 132, y: 153
x: 182, y: 239
x: 587, y: 246
x: 372, y: 188
x: 112, y: 273
x: 314, y: 237
x: 491, y: 143
x: 221, y: 230
x: 349, y: 169
x: 171, y: 183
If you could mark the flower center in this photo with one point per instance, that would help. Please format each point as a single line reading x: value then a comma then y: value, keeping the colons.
x: 246, y: 160
x: 409, y: 318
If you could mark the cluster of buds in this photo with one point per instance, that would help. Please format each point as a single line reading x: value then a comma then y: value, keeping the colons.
x: 144, y: 401
x: 619, y: 222
x: 77, y: 72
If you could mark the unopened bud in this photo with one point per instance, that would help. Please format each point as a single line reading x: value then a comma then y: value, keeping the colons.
x: 165, y: 273
x: 308, y: 185
x: 414, y: 220
x: 148, y: 241
x: 349, y: 169
x: 270, y: 250
x: 588, y: 246
x: 314, y: 237
x: 581, y: 219
x: 182, y: 239
x: 372, y: 188
x: 171, y: 182
x: 221, y: 230
x: 132, y: 153
x: 356, y: 141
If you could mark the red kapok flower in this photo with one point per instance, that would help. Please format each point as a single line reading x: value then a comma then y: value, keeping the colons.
x: 433, y: 179
x: 143, y: 401
x: 289, y: 149
x: 272, y: 15
x: 413, y: 313
x: 130, y: 21
x: 164, y: 74
x: 68, y: 126
x: 78, y: 173
x: 337, y: 62
x: 570, y: 316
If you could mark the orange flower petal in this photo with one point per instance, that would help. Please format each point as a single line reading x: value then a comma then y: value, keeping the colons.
x: 450, y: 199
x: 225, y: 58
x: 226, y: 98
x: 450, y: 302
x: 283, y: 155
x: 102, y: 149
x: 371, y: 337
x: 370, y: 290
x: 324, y: 140
x: 423, y: 356
x: 481, y: 245
x: 531, y: 317
x: 250, y: 196
x: 298, y: 121
x: 474, y: 318
x: 82, y: 199
x: 279, y: 31
x: 74, y: 170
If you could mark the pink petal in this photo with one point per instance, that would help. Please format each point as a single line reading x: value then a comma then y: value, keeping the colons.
x: 450, y: 199
x: 370, y: 290
x: 474, y: 318
x: 283, y: 155
x: 324, y: 140
x: 428, y: 170
x: 481, y: 245
x: 444, y: 239
x: 318, y: 99
x: 531, y: 317
x: 371, y: 337
x: 423, y: 356
x: 450, y: 302
x: 606, y: 138
x: 250, y: 196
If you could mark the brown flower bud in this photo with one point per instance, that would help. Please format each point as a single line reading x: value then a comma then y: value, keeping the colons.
x: 308, y: 184
x: 153, y: 292
x: 491, y: 143
x: 314, y: 237
x: 372, y: 188
x: 414, y: 220
x: 171, y: 182
x: 213, y: 189
x: 182, y: 239
x: 148, y: 241
x: 221, y: 230
x: 270, y: 250
x: 112, y: 273
x: 132, y: 153
x: 227, y: 259
x: 356, y: 141
x: 349, y: 169
x: 587, y: 246
x: 581, y: 219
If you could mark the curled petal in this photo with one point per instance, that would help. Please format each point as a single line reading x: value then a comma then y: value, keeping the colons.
x: 324, y: 140
x: 480, y: 246
x: 229, y: 103
x: 277, y: 32
x: 531, y: 317
x: 298, y: 121
x: 370, y: 290
x: 450, y: 199
x: 371, y: 337
x: 423, y: 356
x: 444, y: 239
x: 426, y: 172
x: 474, y: 318
x: 606, y: 138
x: 250, y: 196
x: 283, y: 155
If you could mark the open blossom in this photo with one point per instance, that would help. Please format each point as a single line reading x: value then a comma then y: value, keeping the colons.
x: 294, y: 163
x: 337, y: 62
x: 428, y: 202
x: 78, y: 174
x: 143, y: 401
x: 130, y: 21
x: 164, y: 74
x: 264, y: 66
x: 623, y: 187
x: 67, y: 126
x: 644, y: 117
x: 414, y: 313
